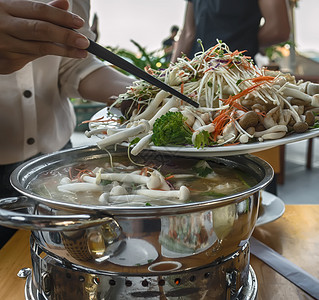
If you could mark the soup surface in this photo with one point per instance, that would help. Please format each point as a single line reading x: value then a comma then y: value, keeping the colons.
x: 117, y: 181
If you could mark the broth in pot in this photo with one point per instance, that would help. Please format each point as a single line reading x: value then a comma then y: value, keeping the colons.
x: 117, y: 181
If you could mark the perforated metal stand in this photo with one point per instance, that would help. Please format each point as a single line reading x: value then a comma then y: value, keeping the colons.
x: 231, y: 278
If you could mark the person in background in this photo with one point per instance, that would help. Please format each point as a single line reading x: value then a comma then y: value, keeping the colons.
x: 43, y: 62
x: 235, y: 22
x: 168, y: 44
x: 242, y: 24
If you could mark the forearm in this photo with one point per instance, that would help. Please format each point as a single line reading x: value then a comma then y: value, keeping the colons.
x: 104, y: 83
x: 276, y: 28
x: 184, y: 45
x: 186, y: 40
x: 268, y: 36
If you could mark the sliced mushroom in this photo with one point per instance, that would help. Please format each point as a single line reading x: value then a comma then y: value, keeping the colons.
x: 298, y: 109
x: 284, y: 117
x: 251, y: 130
x: 190, y: 118
x: 243, y: 138
x: 182, y: 194
x: 142, y: 127
x: 123, y: 199
x: 312, y: 88
x: 274, y: 129
x: 157, y: 181
x: 209, y: 128
x: 271, y: 118
x: 300, y: 127
x: 295, y: 101
x: 205, y: 117
x: 172, y: 102
x: 260, y: 127
x: 249, y: 119
x: 230, y: 132
x: 79, y: 187
x: 259, y: 107
x: 65, y: 180
x: 118, y: 190
x: 290, y: 92
x: 150, y: 110
x: 273, y: 135
x: 310, y: 118
x: 125, y: 177
x: 142, y: 144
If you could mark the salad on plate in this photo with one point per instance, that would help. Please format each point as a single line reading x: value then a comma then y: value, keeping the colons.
x: 239, y: 103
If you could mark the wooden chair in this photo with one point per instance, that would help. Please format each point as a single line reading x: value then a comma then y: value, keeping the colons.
x: 309, y: 154
x: 276, y: 158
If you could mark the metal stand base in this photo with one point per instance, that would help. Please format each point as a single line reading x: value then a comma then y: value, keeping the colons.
x: 249, y: 291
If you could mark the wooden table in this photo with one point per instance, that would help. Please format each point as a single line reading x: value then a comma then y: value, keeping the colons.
x: 295, y: 235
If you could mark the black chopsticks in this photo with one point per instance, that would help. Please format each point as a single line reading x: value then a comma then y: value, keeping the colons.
x: 118, y: 61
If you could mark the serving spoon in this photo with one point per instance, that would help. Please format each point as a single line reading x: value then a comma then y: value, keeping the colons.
x: 118, y: 61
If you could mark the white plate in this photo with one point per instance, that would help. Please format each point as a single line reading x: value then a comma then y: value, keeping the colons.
x: 273, y: 208
x: 105, y: 113
x: 221, y: 150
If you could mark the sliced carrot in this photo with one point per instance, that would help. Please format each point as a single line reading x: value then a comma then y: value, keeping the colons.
x: 232, y: 144
x: 182, y: 88
x: 260, y: 78
x: 96, y: 120
x: 243, y: 93
x: 210, y: 51
x: 100, y: 120
x: 70, y: 174
x: 144, y: 171
x: 263, y: 78
x: 190, y: 128
x: 261, y: 113
x: 226, y: 64
x: 148, y: 70
x: 220, y: 122
x: 236, y: 52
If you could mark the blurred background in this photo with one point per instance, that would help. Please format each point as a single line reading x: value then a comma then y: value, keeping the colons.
x: 136, y: 29
x: 148, y: 23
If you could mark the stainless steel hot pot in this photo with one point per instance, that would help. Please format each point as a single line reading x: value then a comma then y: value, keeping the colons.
x: 108, y: 252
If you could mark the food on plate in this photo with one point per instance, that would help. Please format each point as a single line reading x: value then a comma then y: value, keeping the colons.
x: 117, y: 181
x: 239, y: 103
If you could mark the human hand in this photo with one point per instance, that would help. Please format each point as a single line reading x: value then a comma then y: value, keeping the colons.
x: 30, y: 29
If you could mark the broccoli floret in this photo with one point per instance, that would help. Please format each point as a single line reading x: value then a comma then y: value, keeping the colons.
x: 203, y: 139
x: 171, y: 129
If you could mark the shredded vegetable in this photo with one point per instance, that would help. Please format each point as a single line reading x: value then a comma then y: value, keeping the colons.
x: 228, y: 87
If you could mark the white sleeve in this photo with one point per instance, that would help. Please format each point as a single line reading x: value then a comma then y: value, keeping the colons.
x: 72, y: 71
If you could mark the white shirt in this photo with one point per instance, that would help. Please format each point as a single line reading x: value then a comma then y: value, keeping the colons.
x: 35, y: 113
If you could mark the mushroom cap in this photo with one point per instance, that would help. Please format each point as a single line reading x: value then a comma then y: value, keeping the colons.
x: 118, y: 190
x: 300, y: 127
x: 310, y: 118
x: 184, y: 193
x: 249, y: 119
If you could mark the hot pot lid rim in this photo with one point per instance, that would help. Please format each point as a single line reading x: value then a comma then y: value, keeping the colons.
x: 21, y: 174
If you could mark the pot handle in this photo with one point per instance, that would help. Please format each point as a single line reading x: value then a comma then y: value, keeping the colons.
x: 27, y: 220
